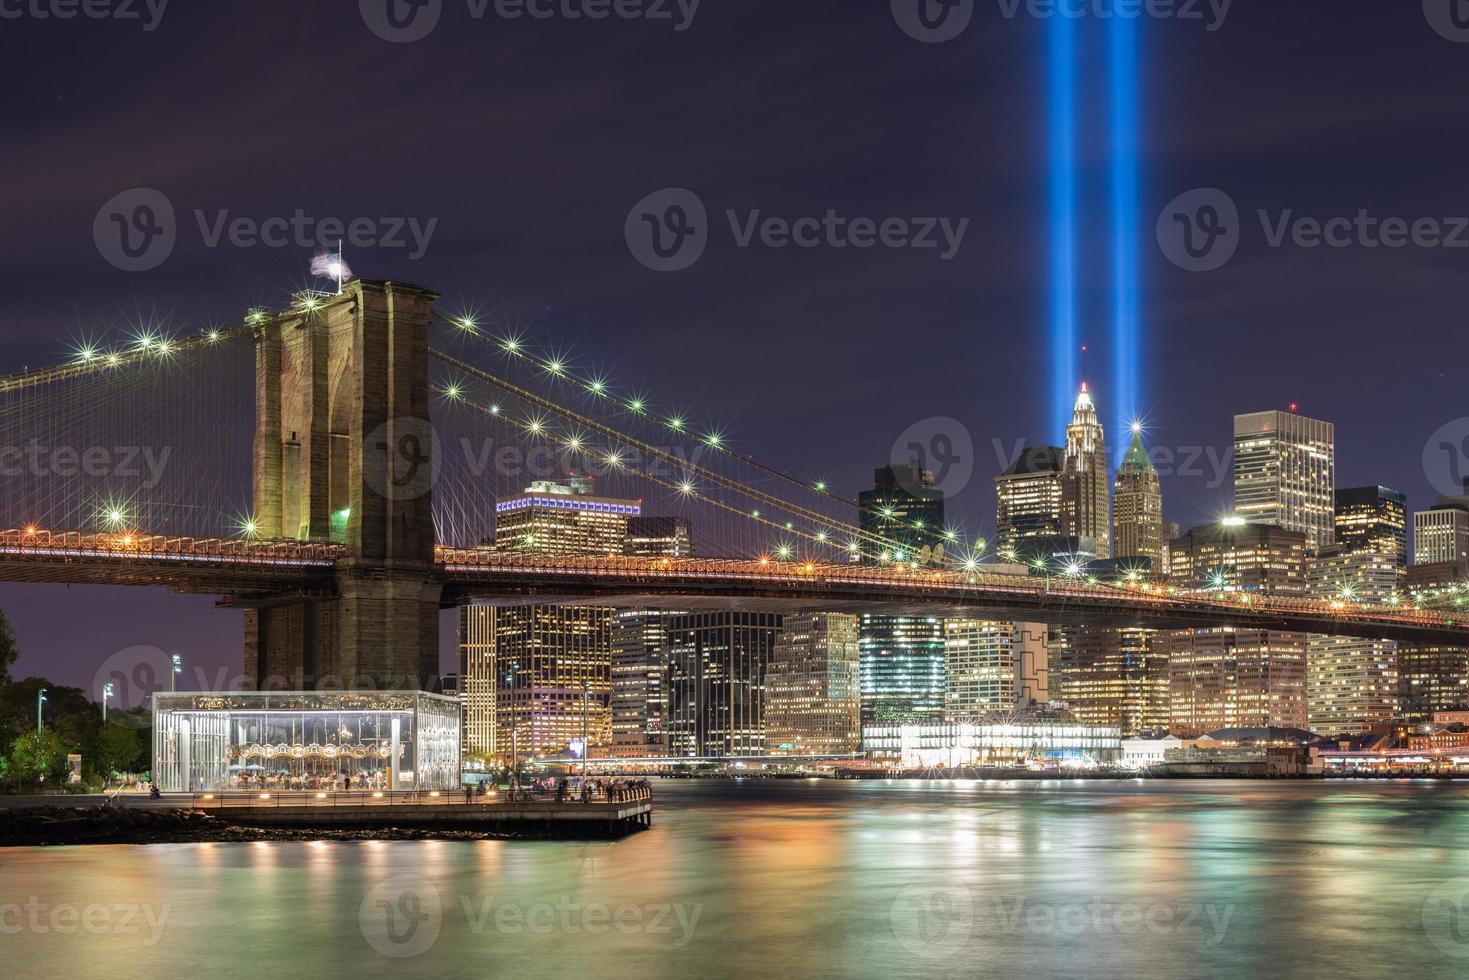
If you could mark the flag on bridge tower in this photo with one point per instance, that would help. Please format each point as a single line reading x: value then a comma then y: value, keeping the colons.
x: 332, y: 265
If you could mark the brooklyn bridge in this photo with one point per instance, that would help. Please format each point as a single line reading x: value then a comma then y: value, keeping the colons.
x: 332, y: 469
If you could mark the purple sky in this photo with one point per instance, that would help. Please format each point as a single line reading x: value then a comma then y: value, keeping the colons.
x: 529, y: 141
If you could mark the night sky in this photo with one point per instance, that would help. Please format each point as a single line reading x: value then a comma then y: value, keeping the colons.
x: 530, y: 141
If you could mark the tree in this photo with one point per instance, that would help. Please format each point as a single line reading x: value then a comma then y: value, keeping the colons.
x: 9, y: 653
x: 39, y: 754
x: 113, y: 748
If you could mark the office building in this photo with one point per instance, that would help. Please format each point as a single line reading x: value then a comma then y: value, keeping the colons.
x: 901, y: 518
x: 1441, y: 533
x: 659, y: 537
x: 557, y: 520
x: 1112, y: 677
x: 1285, y: 474
x: 640, y: 682
x: 477, y: 680
x: 1373, y: 519
x: 1351, y: 682
x: 1086, y: 489
x: 1028, y: 499
x: 1431, y: 677
x: 813, y: 697
x: 716, y: 691
x: 981, y: 668
x: 1137, y: 507
x: 1227, y: 678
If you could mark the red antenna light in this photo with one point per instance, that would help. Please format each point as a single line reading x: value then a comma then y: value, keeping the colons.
x: 1294, y: 408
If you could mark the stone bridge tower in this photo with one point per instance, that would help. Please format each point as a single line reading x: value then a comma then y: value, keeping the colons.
x: 344, y: 452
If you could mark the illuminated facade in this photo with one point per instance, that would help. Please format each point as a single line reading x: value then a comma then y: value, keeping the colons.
x: 1432, y: 678
x: 555, y: 519
x: 1285, y: 474
x: 1086, y: 490
x: 999, y: 742
x: 1113, y: 677
x: 1351, y: 683
x: 554, y: 668
x: 477, y: 679
x: 1373, y: 519
x: 1137, y: 507
x: 1028, y: 499
x: 813, y: 698
x: 1225, y: 678
x: 640, y: 682
x: 981, y: 668
x: 716, y: 692
x: 318, y: 740
x: 659, y: 537
x: 1441, y: 534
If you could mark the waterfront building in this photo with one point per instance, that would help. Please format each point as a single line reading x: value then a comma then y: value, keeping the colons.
x: 313, y: 740
x: 981, y: 668
x: 716, y: 691
x: 1032, y: 738
x: 1112, y: 676
x: 1351, y: 682
x: 813, y: 696
x: 640, y: 682
x: 1137, y: 507
x: 902, y: 657
x: 1285, y: 474
x: 1373, y: 519
x: 1086, y: 490
x: 1227, y: 678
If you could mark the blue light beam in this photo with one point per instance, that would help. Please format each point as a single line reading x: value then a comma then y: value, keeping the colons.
x: 1062, y: 130
x: 1126, y: 327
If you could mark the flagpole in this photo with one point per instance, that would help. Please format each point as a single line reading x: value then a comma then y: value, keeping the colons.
x: 341, y: 266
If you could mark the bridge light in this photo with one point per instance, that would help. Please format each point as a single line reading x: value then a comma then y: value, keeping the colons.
x: 821, y: 486
x: 30, y: 529
x: 970, y: 564
x: 790, y: 525
x: 638, y: 405
x: 821, y: 536
x: 114, y: 516
x: 755, y: 514
x: 597, y: 386
x: 249, y: 527
x: 494, y: 409
x: 951, y: 535
x: 467, y: 324
x: 887, y: 512
x: 452, y: 391
x: 511, y: 345
x: 686, y: 487
x: 783, y: 552
x: 113, y: 360
x: 715, y: 439
x: 556, y: 367
x: 614, y: 459
x: 676, y: 424
x: 87, y: 355
x: 212, y: 336
x: 574, y: 443
x: 255, y: 316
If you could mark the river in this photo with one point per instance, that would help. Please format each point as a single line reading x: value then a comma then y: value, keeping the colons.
x: 789, y: 879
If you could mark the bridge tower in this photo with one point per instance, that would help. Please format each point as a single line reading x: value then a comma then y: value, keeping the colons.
x: 344, y: 452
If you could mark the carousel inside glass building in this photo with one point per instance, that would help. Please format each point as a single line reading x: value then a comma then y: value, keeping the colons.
x: 338, y: 741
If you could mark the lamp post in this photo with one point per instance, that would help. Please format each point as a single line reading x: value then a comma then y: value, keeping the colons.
x: 106, y: 693
x: 175, y: 670
x: 40, y: 700
x: 514, y: 733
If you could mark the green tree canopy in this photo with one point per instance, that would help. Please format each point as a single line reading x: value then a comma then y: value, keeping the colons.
x: 9, y: 653
x: 37, y: 754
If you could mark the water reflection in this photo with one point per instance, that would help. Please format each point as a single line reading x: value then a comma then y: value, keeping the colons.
x: 803, y: 879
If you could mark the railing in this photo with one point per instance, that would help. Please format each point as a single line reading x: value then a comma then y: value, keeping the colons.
x: 39, y: 543
x: 414, y: 798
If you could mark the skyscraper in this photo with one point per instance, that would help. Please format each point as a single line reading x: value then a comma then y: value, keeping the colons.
x: 659, y: 537
x: 716, y: 693
x: 1373, y: 519
x: 1432, y: 677
x: 1028, y: 499
x: 1086, y: 489
x: 558, y: 519
x: 477, y: 680
x: 1137, y: 507
x: 1228, y: 678
x: 902, y: 657
x: 1441, y: 533
x: 640, y: 682
x: 980, y: 663
x: 1285, y: 474
x: 813, y: 694
x: 1351, y: 683
x: 1114, y: 677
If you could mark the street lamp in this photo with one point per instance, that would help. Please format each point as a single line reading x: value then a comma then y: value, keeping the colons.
x: 40, y: 700
x: 514, y: 733
x: 178, y: 668
x: 106, y: 693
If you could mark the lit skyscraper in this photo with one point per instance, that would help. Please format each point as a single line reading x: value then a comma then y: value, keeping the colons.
x: 1373, y: 519
x: 1114, y: 677
x: 902, y: 657
x: 1351, y: 683
x: 1228, y: 678
x: 659, y: 537
x: 980, y: 658
x: 557, y: 519
x: 1441, y: 533
x: 1086, y: 489
x: 716, y: 692
x: 1028, y: 499
x: 1285, y: 474
x: 1137, y: 507
x: 640, y: 682
x: 1432, y: 677
x: 813, y: 694
x: 477, y: 680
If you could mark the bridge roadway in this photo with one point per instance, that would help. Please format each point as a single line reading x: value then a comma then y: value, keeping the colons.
x: 248, y: 572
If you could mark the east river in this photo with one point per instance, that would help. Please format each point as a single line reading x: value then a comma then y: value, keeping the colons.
x: 779, y: 880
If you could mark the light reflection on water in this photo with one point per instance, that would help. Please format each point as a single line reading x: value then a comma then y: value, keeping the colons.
x: 802, y: 878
